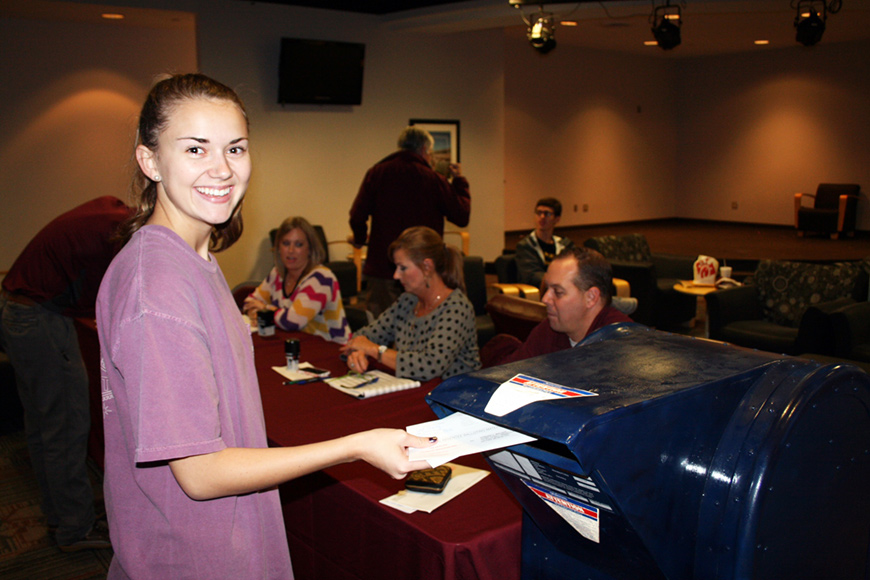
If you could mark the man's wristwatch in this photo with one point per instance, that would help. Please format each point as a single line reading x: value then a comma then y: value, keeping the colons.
x: 381, y: 350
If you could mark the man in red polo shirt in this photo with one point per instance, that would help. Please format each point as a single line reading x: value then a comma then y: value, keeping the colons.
x: 578, y: 299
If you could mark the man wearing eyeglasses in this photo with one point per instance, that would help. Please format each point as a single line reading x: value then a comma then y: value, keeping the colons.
x: 537, y: 250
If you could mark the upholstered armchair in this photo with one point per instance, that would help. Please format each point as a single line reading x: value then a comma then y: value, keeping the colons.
x: 852, y: 332
x: 785, y: 306
x: 833, y: 211
x: 515, y: 316
x: 651, y: 278
x: 509, y: 279
x: 475, y: 288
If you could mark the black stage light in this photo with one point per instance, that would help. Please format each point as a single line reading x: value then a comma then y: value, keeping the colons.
x: 542, y: 32
x: 667, y: 34
x: 810, y: 22
x: 666, y: 21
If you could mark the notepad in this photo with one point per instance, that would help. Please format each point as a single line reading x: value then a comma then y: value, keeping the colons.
x: 360, y: 385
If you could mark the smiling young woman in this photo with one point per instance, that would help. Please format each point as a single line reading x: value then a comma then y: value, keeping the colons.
x: 190, y: 481
x: 202, y: 169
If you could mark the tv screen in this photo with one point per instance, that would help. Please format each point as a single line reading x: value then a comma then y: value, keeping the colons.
x: 322, y: 72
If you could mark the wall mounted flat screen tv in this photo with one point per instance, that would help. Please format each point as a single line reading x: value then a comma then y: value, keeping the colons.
x: 321, y: 72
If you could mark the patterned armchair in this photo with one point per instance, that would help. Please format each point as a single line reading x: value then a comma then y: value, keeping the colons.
x: 785, y: 307
x: 651, y: 278
x: 475, y: 288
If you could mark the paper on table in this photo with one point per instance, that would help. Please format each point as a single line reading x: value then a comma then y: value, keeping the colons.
x: 460, y: 434
x: 300, y: 375
x: 522, y: 390
x: 410, y: 501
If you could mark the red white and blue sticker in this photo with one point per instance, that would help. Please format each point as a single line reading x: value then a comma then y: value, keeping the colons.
x: 582, y: 517
x: 522, y: 390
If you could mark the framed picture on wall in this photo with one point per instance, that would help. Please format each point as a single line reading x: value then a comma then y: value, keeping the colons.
x: 446, y: 136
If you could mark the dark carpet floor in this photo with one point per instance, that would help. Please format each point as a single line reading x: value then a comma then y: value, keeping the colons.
x: 27, y: 552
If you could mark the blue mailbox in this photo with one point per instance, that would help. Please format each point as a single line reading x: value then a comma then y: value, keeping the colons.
x: 687, y: 459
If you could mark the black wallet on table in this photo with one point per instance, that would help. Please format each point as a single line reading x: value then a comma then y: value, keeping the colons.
x: 429, y: 480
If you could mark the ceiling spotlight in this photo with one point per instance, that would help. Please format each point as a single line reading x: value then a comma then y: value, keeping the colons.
x: 542, y: 31
x: 810, y: 21
x: 666, y: 22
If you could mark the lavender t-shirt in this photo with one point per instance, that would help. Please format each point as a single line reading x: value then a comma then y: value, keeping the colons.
x: 178, y: 379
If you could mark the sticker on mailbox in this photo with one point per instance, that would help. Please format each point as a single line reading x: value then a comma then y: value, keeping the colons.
x: 523, y: 390
x: 582, y: 517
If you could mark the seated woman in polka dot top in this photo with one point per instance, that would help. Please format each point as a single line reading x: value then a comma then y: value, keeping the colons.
x: 429, y: 331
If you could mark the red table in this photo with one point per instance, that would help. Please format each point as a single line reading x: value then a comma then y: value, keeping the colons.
x: 336, y: 528
x: 335, y: 525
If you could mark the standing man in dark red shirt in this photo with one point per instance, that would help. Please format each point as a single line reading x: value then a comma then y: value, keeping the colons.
x: 54, y: 280
x: 400, y: 191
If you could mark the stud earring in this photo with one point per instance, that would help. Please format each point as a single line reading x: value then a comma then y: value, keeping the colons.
x: 156, y: 178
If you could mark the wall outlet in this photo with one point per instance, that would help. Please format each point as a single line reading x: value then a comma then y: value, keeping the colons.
x: 733, y: 205
x: 585, y: 207
x: 575, y: 208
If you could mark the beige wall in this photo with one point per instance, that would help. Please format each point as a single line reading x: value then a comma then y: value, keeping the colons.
x: 755, y: 129
x: 589, y: 128
x: 308, y: 160
x: 69, y: 114
x: 637, y: 137
x: 311, y: 160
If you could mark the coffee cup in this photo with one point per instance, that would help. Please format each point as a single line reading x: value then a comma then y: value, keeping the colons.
x: 266, y: 323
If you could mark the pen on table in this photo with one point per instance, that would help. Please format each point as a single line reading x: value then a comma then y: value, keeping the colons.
x: 303, y: 381
x: 368, y: 382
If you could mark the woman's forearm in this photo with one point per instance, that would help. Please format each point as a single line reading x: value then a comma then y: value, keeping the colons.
x: 235, y: 471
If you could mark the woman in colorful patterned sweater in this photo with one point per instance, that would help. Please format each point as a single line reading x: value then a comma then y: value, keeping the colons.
x: 302, y: 292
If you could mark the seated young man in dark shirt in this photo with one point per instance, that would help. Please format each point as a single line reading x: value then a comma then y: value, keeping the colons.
x: 537, y: 250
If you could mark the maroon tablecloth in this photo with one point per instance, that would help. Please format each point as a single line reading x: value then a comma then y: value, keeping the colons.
x: 336, y: 527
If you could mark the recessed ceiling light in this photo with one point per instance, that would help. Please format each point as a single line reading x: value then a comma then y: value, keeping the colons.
x: 112, y: 16
x: 650, y: 43
x: 762, y: 42
x: 568, y: 23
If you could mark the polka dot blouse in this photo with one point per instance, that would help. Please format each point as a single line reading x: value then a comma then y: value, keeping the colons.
x: 442, y: 343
